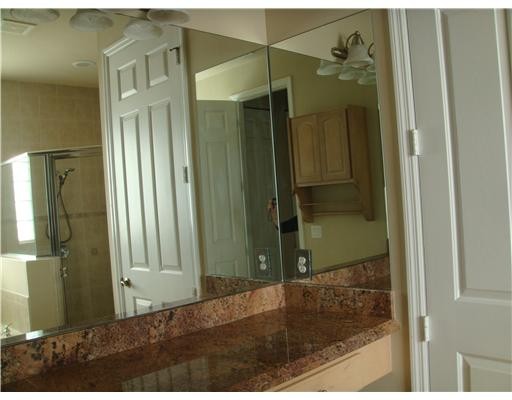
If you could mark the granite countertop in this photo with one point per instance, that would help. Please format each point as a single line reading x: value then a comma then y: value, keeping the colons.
x: 251, y: 354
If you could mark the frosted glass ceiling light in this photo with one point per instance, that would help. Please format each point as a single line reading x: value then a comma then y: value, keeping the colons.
x: 167, y: 17
x: 328, y: 68
x: 139, y: 29
x: 89, y: 20
x: 34, y: 15
x: 354, y: 53
x: 350, y: 73
x: 368, y: 79
x: 357, y: 55
x: 371, y: 67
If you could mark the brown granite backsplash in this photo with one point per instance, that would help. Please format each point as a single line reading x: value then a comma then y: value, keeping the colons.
x: 350, y: 301
x: 371, y: 274
x: 26, y: 359
x: 222, y: 285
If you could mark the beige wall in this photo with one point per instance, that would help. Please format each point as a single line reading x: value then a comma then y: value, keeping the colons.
x: 38, y: 116
x: 400, y: 378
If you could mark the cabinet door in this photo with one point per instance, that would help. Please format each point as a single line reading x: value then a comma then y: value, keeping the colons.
x: 306, y: 150
x: 334, y: 146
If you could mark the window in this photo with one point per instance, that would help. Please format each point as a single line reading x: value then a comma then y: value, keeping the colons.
x: 23, y: 199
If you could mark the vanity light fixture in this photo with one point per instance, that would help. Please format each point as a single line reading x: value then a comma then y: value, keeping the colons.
x: 90, y: 20
x: 329, y: 68
x: 350, y: 73
x: 357, y: 61
x: 354, y: 53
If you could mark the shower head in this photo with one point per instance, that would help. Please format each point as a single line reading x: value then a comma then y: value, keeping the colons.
x: 64, y: 175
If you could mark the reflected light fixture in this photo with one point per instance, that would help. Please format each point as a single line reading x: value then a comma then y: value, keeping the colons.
x: 34, y: 15
x: 90, y: 20
x: 167, y: 16
x: 350, y: 73
x: 329, y: 68
x: 140, y: 29
x: 354, y: 53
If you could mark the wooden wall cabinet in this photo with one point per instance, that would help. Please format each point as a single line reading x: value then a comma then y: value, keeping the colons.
x: 329, y: 148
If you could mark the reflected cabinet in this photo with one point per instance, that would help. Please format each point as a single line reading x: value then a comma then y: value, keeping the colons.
x: 330, y: 148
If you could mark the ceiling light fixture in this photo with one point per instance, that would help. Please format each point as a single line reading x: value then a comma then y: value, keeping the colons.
x: 83, y: 64
x: 138, y: 29
x: 90, y: 20
x: 34, y: 15
x: 167, y: 17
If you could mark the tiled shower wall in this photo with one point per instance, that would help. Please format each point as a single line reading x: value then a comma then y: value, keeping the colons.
x: 38, y: 116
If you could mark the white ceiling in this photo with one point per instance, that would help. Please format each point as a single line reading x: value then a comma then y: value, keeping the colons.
x: 46, y: 53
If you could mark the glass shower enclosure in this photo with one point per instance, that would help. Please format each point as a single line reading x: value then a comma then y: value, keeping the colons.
x: 53, y: 206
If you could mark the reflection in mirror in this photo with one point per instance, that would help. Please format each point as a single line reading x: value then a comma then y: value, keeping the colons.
x: 57, y: 273
x: 236, y: 172
x: 328, y: 149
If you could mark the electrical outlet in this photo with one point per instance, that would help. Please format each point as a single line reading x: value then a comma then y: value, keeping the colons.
x: 316, y: 231
x: 303, y: 264
x: 262, y: 263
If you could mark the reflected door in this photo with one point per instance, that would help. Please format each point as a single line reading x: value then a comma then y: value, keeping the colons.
x: 222, y: 203
x: 153, y: 202
x: 259, y: 185
x: 463, y: 108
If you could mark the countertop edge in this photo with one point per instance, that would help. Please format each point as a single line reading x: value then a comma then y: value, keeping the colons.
x: 269, y: 379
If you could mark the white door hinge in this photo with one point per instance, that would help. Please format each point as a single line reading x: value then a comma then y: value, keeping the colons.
x: 178, y: 55
x: 185, y: 174
x: 425, y: 327
x: 414, y: 142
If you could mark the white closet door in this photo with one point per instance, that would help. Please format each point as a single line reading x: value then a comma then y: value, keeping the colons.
x: 462, y: 95
x: 154, y: 222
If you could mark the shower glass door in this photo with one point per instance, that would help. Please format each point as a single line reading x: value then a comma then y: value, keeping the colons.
x: 83, y: 236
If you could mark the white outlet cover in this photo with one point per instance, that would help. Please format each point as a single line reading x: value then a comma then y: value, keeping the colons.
x: 316, y: 231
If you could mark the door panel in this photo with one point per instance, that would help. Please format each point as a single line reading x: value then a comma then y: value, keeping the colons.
x: 149, y: 153
x: 259, y: 186
x: 306, y: 150
x: 462, y: 105
x: 334, y: 144
x: 222, y: 203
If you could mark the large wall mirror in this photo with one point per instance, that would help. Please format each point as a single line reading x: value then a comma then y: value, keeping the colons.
x: 234, y: 163
x: 328, y: 147
x: 286, y: 164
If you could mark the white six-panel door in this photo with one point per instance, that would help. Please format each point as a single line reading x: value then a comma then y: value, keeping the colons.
x: 222, y: 202
x: 461, y: 73
x: 148, y: 151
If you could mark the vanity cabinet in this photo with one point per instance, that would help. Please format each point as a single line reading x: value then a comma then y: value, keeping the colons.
x: 331, y: 148
x: 351, y: 372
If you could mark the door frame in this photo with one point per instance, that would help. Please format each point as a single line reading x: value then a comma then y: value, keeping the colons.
x: 411, y: 199
x: 275, y: 85
x: 109, y: 176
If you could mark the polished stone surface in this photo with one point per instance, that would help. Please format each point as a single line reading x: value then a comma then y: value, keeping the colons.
x: 251, y: 354
x: 21, y: 360
x: 369, y: 274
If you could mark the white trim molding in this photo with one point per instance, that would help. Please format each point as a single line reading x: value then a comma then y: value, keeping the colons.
x: 415, y: 265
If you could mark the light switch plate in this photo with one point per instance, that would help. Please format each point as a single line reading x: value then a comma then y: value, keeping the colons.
x: 262, y: 263
x: 303, y: 264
